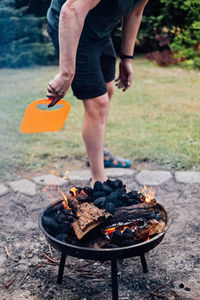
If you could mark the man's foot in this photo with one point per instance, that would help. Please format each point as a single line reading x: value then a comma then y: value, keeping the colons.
x: 111, y: 161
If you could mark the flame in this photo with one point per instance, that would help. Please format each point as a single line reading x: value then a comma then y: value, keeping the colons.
x: 74, y: 191
x: 66, y: 175
x: 65, y: 202
x: 51, y: 189
x: 110, y: 230
x: 147, y: 193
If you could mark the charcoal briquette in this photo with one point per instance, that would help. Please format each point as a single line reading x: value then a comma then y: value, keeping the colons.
x: 88, y: 190
x: 127, y: 234
x: 119, y: 203
x: 50, y: 225
x: 111, y: 198
x: 108, y: 182
x: 98, y: 194
x: 48, y: 212
x: 60, y: 218
x: 98, y: 186
x: 100, y: 202
x: 116, y: 237
x: 70, y: 218
x: 117, y: 184
x: 65, y: 227
x: 110, y: 207
x: 59, y: 206
x: 63, y: 237
x: 133, y: 194
x: 106, y: 188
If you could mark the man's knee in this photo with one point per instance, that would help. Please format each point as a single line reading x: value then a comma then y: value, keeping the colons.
x: 110, y: 89
x: 97, y: 108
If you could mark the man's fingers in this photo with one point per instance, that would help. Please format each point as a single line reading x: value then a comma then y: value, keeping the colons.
x: 54, y: 94
x: 54, y: 97
x: 120, y: 85
x: 51, y: 85
x: 130, y: 78
x: 53, y: 102
x: 51, y: 94
x: 50, y: 90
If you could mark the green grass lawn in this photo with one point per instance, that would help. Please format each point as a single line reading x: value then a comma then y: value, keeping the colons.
x: 156, y: 121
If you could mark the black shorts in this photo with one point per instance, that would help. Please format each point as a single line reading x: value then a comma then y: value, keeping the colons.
x: 95, y: 65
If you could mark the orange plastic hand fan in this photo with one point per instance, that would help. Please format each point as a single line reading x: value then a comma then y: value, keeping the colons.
x: 38, y: 120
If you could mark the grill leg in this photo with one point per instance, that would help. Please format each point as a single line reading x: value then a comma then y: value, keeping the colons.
x: 61, y: 268
x: 144, y: 263
x: 114, y: 279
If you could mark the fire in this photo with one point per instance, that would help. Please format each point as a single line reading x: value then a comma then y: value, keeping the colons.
x: 108, y: 231
x: 65, y: 202
x: 148, y: 194
x: 74, y: 191
x: 50, y: 189
x: 66, y: 175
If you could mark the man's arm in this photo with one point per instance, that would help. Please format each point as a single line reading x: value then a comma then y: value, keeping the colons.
x: 130, y: 27
x: 72, y: 17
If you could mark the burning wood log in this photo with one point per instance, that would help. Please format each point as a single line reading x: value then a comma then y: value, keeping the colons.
x: 89, y: 216
x: 135, y: 223
x: 152, y: 227
x: 142, y: 211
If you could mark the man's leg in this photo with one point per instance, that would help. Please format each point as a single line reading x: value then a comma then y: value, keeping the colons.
x: 110, y: 88
x: 93, y: 131
x: 109, y: 159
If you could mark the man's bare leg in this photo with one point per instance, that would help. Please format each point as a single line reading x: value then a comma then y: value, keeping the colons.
x: 110, y: 88
x: 93, y: 131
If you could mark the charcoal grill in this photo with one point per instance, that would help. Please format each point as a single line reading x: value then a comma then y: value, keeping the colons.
x: 101, y: 254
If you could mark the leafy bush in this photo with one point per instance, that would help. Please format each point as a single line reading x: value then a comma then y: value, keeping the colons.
x: 186, y: 30
x: 178, y: 22
x: 23, y: 39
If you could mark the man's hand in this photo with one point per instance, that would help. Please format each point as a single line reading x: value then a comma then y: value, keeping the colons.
x: 125, y: 77
x: 58, y: 87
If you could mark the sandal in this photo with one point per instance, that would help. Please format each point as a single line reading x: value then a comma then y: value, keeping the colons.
x: 110, y: 161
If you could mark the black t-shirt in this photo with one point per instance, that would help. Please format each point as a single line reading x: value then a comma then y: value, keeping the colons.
x: 100, y: 21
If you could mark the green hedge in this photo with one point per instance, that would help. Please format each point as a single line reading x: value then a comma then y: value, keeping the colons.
x: 23, y: 39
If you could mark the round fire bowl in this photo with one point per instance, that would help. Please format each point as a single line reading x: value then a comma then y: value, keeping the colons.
x: 101, y: 254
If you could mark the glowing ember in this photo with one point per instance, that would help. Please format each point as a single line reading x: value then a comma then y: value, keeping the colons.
x: 108, y: 231
x: 147, y: 193
x: 65, y: 202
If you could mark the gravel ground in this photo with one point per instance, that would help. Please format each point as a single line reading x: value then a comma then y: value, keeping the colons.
x: 174, y: 265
